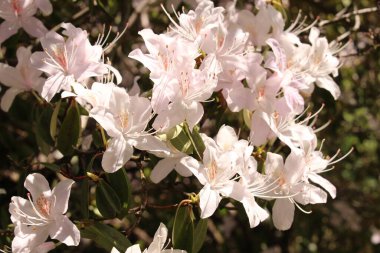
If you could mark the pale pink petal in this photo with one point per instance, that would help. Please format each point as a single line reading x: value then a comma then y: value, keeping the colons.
x: 195, y: 167
x: 133, y: 249
x: 8, y: 97
x: 140, y: 113
x: 29, y: 242
x: 159, y: 239
x: 45, y: 6
x: 255, y: 213
x: 11, y: 77
x: 162, y: 169
x: 324, y: 183
x: 118, y: 152
x: 37, y: 185
x: 329, y: 84
x: 34, y: 27
x: 226, y: 137
x: 61, y: 192
x: 239, y: 98
x: 209, y: 201
x: 294, y: 167
x: 65, y: 231
x: 7, y: 29
x: 311, y: 194
x: 53, y: 85
x: 106, y: 120
x: 194, y: 114
x: 232, y: 189
x: 182, y: 170
x: 18, y: 203
x: 273, y: 162
x: 283, y: 214
x: 260, y: 131
x: 44, y: 247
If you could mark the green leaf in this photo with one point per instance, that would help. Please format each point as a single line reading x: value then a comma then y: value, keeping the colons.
x: 182, y: 142
x: 199, y: 235
x: 199, y: 144
x: 69, y: 133
x: 183, y: 229
x: 41, y: 129
x: 119, y: 181
x: 84, y: 187
x: 54, y: 120
x: 107, y: 201
x: 52, y: 166
x: 106, y: 237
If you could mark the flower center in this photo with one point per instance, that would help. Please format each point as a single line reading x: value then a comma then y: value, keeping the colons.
x: 43, y: 205
x: 59, y: 54
x: 123, y: 120
x: 16, y: 7
x: 211, y: 171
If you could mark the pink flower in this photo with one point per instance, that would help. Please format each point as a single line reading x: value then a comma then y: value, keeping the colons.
x: 23, y: 77
x: 68, y: 60
x: 19, y: 14
x: 42, y: 215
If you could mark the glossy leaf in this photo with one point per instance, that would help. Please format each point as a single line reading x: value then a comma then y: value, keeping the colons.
x: 106, y: 237
x: 119, y: 181
x: 107, y: 201
x: 54, y: 120
x: 200, y: 233
x: 69, y: 133
x: 183, y: 229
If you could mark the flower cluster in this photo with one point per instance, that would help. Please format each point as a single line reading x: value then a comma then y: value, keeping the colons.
x: 255, y: 65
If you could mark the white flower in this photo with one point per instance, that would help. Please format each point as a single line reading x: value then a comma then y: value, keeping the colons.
x: 123, y: 117
x: 68, y: 60
x: 291, y: 187
x: 157, y: 246
x: 17, y: 14
x: 23, y: 77
x: 42, y: 215
x: 168, y: 57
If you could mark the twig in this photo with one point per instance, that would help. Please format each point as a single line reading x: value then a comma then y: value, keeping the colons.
x: 347, y: 15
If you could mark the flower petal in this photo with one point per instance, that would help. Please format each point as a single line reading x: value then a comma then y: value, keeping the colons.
x: 159, y: 239
x: 283, y: 214
x: 133, y: 249
x: 209, y: 201
x: 62, y: 193
x: 8, y: 97
x: 162, y: 169
x: 118, y: 152
x: 37, y: 185
x: 65, y: 231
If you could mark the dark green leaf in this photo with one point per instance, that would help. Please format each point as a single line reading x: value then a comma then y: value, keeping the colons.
x: 52, y: 166
x: 183, y: 229
x: 42, y: 129
x: 69, y: 133
x: 107, y: 200
x: 119, y: 181
x: 182, y: 142
x: 199, y: 235
x: 199, y: 144
x: 106, y: 237
x: 54, y: 120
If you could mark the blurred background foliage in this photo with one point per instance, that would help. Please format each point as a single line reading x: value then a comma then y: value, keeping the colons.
x: 350, y: 223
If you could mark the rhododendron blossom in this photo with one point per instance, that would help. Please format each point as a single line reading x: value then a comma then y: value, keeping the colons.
x: 24, y: 77
x: 164, y: 142
x: 157, y: 246
x: 42, y: 215
x: 68, y: 60
x: 19, y: 14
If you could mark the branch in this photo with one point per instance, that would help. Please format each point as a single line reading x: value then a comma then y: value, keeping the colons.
x: 347, y: 15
